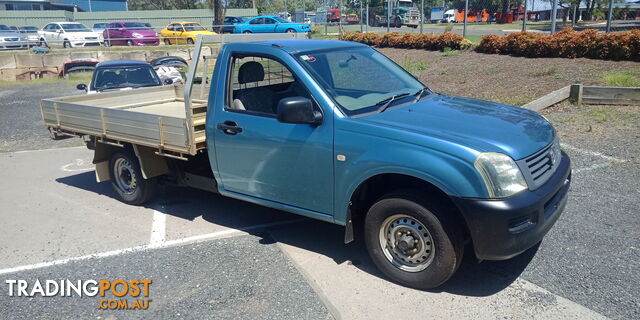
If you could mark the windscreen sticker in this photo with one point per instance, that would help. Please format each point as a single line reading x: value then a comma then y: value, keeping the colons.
x: 308, y: 58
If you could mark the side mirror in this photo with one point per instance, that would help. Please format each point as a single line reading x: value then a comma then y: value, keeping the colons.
x: 168, y: 81
x: 81, y: 86
x: 298, y: 110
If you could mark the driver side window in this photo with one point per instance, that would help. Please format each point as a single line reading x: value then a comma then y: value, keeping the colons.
x: 257, y: 21
x: 257, y: 84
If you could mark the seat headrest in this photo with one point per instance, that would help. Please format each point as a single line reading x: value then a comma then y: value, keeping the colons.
x: 251, y: 71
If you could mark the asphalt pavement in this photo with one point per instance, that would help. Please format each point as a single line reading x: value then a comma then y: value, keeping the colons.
x: 215, y: 257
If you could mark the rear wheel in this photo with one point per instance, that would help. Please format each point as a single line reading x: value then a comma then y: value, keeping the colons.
x: 189, y: 41
x: 246, y: 32
x: 412, y: 242
x: 130, y: 43
x: 291, y: 30
x: 167, y: 42
x: 107, y: 43
x: 66, y: 44
x: 127, y: 180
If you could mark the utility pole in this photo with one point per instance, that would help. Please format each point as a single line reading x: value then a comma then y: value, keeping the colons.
x: 388, y: 15
x: 609, y: 16
x: 422, y: 14
x: 466, y: 13
x: 554, y: 12
x: 524, y: 19
x: 361, y: 15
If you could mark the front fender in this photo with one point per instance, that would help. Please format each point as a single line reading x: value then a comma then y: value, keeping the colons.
x: 453, y: 174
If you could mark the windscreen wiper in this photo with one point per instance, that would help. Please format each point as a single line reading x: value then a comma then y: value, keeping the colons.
x: 419, y: 94
x: 385, y: 103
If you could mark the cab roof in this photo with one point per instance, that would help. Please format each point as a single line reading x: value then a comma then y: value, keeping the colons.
x: 295, y: 46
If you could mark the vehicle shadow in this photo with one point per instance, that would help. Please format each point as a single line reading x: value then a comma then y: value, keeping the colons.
x: 471, y: 279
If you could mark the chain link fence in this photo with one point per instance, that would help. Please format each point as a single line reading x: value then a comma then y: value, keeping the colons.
x: 472, y: 18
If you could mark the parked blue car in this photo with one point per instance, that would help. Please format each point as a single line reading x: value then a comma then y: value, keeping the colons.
x: 229, y: 23
x: 270, y: 24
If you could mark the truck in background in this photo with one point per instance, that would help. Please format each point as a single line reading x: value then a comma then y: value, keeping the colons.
x: 403, y: 13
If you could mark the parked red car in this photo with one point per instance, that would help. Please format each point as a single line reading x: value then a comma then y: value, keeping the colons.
x: 130, y: 34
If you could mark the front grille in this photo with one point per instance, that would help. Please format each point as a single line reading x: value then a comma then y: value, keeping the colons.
x: 539, y: 167
x: 91, y: 38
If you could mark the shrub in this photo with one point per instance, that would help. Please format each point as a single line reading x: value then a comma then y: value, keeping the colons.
x: 567, y: 43
x: 411, y: 40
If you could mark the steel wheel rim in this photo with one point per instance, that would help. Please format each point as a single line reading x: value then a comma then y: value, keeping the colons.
x: 125, y: 176
x: 406, y: 243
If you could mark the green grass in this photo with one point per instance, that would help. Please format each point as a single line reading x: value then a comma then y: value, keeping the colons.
x: 448, y: 52
x: 413, y: 66
x: 474, y: 38
x: 72, y: 81
x: 551, y: 72
x: 599, y: 114
x: 620, y: 79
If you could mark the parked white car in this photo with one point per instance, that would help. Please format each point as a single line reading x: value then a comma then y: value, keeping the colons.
x: 69, y: 35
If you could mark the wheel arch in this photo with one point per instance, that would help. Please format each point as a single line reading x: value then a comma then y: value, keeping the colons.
x: 375, y: 186
x: 151, y: 164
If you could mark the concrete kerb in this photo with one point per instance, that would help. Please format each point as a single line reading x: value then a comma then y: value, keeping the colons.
x: 7, y: 61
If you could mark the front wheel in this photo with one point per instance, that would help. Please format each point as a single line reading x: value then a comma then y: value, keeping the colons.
x: 127, y: 180
x: 291, y: 30
x: 130, y: 43
x: 411, y: 242
x: 66, y: 44
x: 246, y: 32
x: 167, y: 42
x: 189, y: 41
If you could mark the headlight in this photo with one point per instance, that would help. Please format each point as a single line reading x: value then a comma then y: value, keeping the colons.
x: 500, y: 173
x: 136, y: 35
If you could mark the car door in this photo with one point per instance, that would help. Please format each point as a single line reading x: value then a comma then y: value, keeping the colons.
x: 179, y: 32
x: 260, y: 157
x: 270, y: 25
x: 256, y: 25
x: 57, y: 36
x: 50, y: 34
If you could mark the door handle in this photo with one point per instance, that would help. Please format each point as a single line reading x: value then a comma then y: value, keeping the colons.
x: 229, y: 127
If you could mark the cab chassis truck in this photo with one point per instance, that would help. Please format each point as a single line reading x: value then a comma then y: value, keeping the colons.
x: 418, y: 175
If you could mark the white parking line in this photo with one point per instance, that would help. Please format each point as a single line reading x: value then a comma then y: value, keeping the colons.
x: 165, y: 244
x: 158, y: 228
x: 40, y: 150
x: 592, y: 153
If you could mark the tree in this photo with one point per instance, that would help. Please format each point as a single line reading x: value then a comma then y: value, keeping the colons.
x: 218, y: 13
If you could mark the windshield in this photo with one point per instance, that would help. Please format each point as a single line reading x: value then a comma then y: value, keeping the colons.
x: 193, y: 27
x: 75, y: 27
x: 28, y: 29
x: 123, y: 77
x: 4, y: 28
x: 281, y: 20
x: 135, y: 26
x: 360, y: 79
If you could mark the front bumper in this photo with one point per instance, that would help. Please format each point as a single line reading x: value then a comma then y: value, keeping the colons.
x: 145, y: 41
x: 502, y: 229
x: 8, y: 45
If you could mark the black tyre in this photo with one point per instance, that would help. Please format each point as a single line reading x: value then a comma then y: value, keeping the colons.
x: 247, y: 32
x: 127, y: 180
x: 107, y: 43
x: 291, y: 30
x: 167, y: 42
x: 189, y: 41
x: 130, y: 43
x: 66, y: 44
x: 412, y: 242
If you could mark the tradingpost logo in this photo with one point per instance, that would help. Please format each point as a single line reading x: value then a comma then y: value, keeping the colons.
x: 115, y: 294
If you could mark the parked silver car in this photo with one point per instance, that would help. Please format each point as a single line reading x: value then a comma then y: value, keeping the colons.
x: 11, y: 39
